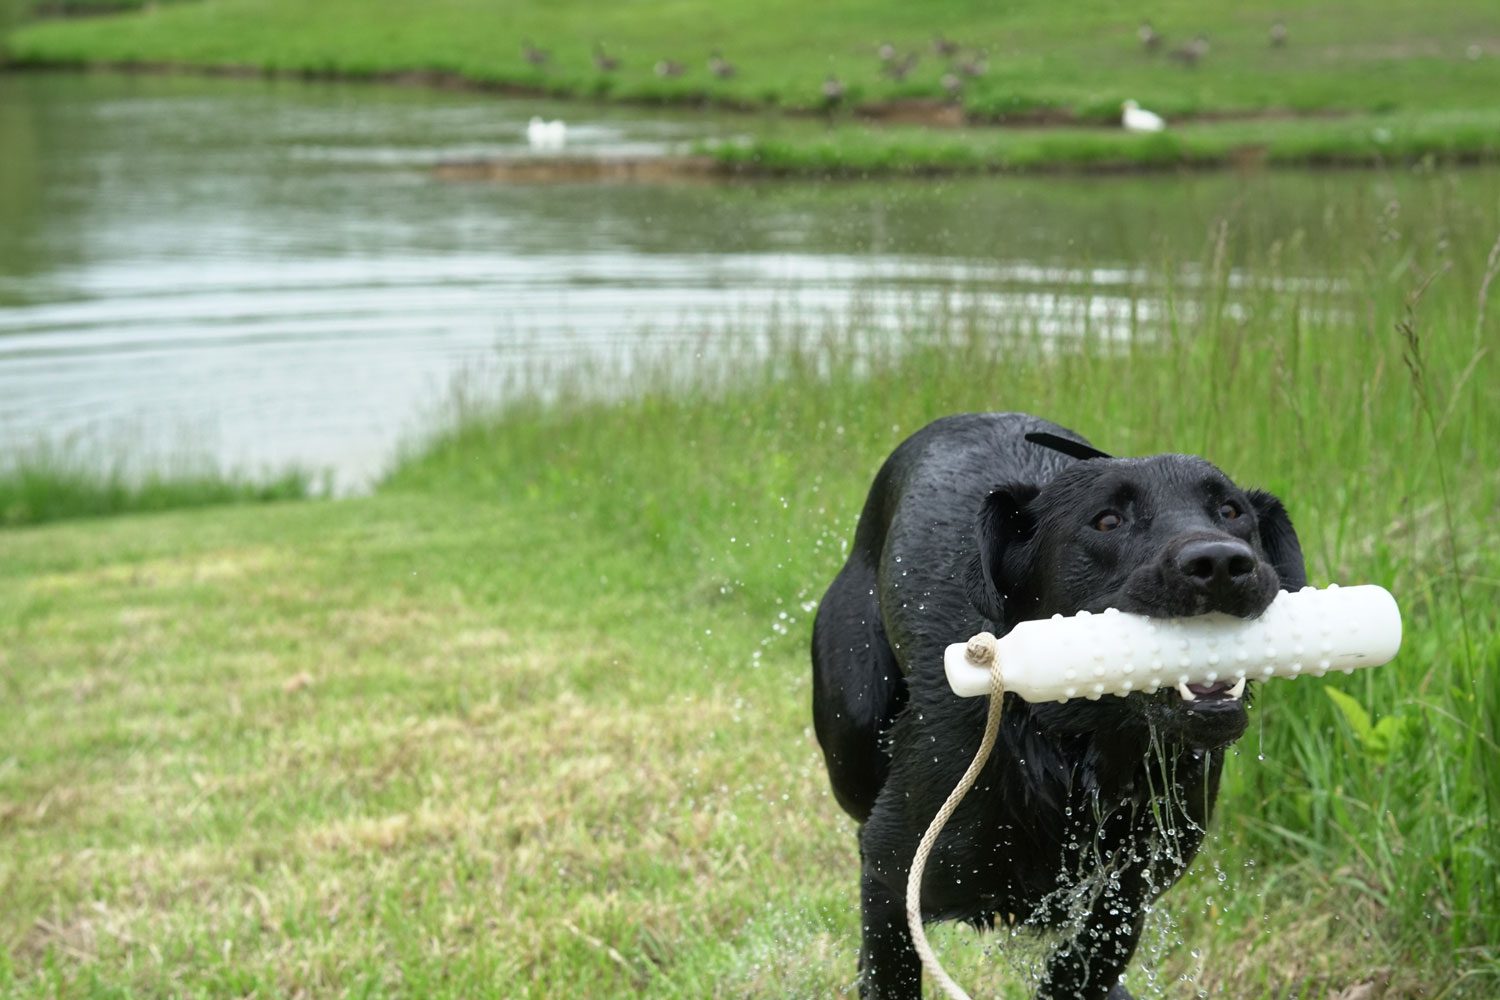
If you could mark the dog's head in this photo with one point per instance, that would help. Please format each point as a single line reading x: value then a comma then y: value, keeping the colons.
x: 1166, y: 536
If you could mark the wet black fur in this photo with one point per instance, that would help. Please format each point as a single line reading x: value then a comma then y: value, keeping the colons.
x: 968, y: 527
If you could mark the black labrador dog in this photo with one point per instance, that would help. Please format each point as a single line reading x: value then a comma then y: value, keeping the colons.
x: 1087, y: 810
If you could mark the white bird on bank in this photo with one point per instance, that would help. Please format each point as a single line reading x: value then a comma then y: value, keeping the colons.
x: 1137, y: 119
x: 542, y: 134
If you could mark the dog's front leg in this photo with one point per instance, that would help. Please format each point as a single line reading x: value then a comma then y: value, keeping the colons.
x: 1088, y: 966
x: 889, y: 968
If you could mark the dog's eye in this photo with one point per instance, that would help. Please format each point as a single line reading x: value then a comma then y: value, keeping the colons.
x: 1229, y: 510
x: 1108, y: 521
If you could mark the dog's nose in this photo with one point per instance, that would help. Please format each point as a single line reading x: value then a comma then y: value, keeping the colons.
x: 1217, y: 566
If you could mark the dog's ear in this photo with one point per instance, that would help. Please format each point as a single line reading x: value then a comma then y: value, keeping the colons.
x: 999, y: 578
x: 1278, y: 540
x: 1073, y: 449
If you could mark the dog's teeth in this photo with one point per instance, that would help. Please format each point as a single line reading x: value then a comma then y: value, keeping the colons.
x: 1238, y: 689
x: 1185, y: 691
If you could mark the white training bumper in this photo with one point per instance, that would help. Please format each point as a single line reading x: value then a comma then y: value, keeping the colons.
x: 1089, y: 655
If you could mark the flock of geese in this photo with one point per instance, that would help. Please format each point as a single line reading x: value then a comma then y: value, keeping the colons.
x: 1193, y: 51
x: 895, y: 65
x: 605, y: 63
x: 1134, y: 118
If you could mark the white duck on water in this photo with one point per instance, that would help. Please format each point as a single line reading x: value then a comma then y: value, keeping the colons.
x: 1137, y: 119
x: 542, y: 134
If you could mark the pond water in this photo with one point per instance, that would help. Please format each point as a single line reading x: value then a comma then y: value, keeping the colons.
x: 270, y: 274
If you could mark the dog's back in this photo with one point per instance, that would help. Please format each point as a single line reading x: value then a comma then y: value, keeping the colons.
x: 902, y: 595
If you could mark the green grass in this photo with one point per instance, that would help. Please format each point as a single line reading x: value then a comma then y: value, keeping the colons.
x: 1370, y: 55
x: 64, y: 482
x: 852, y: 150
x: 532, y: 720
x: 1438, y: 64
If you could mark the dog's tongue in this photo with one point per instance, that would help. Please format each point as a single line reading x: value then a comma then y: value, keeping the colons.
x: 1210, y: 690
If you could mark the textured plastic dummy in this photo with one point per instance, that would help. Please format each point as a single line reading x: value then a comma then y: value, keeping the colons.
x: 1089, y: 655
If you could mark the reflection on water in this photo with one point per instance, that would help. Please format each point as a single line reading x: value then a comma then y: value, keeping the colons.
x: 269, y: 273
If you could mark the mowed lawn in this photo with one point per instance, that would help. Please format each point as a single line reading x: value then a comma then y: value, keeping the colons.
x: 393, y: 744
x: 427, y: 747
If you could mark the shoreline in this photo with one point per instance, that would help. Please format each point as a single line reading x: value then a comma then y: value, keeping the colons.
x: 927, y: 112
x: 711, y: 168
x: 1094, y: 149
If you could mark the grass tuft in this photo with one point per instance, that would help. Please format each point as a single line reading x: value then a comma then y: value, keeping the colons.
x: 63, y: 482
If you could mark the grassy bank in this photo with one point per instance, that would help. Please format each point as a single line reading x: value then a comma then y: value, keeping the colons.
x: 62, y: 482
x: 1437, y: 64
x: 852, y: 150
x: 532, y: 720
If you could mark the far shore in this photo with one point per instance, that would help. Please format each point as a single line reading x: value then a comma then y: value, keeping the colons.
x: 927, y: 112
x: 920, y: 139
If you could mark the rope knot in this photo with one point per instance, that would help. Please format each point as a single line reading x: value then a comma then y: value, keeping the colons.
x: 982, y: 649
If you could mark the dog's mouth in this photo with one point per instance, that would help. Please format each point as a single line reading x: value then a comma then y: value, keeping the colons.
x: 1206, y: 715
x: 1204, y: 695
